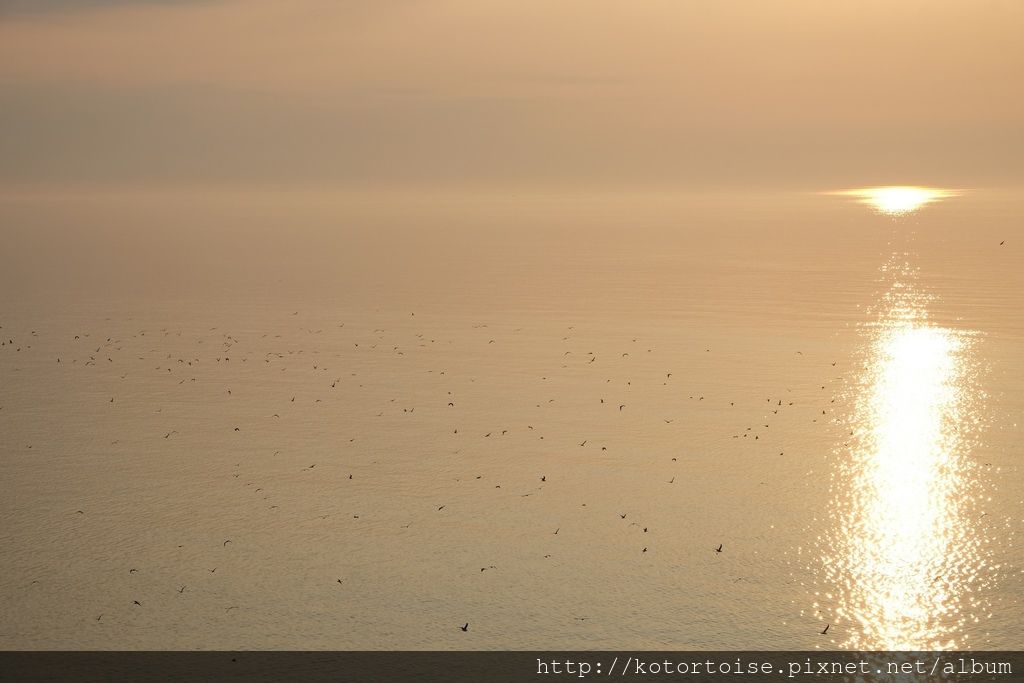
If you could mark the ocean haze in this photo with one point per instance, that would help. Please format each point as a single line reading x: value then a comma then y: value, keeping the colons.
x: 581, y: 96
x: 590, y: 324
x: 736, y: 332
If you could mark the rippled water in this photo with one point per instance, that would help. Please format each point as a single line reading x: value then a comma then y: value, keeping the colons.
x: 909, y: 562
x: 538, y: 415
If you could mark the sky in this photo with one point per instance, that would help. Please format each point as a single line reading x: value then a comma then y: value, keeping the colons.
x: 520, y: 94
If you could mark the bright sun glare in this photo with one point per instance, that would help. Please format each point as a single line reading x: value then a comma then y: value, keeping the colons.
x: 898, y: 200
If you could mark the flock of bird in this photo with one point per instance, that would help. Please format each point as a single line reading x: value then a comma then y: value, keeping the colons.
x: 167, y: 358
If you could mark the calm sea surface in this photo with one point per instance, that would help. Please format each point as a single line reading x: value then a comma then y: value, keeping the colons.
x: 313, y: 421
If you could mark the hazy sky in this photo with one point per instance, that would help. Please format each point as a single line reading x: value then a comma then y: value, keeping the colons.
x: 518, y: 93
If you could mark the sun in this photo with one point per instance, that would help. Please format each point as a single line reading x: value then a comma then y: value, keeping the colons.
x: 898, y: 200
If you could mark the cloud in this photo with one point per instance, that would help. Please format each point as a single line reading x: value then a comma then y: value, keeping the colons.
x: 513, y: 91
x: 24, y: 8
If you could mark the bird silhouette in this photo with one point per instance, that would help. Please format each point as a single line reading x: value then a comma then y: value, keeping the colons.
x: 719, y: 548
x: 825, y: 629
x: 465, y: 627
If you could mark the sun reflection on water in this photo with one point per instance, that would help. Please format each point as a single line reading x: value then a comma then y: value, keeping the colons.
x: 898, y: 200
x: 905, y: 559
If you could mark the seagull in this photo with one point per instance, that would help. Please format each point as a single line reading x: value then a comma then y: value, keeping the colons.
x: 719, y: 548
x: 826, y: 629
x: 465, y: 627
x: 137, y: 603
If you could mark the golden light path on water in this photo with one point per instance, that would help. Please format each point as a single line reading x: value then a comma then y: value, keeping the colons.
x: 905, y: 562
